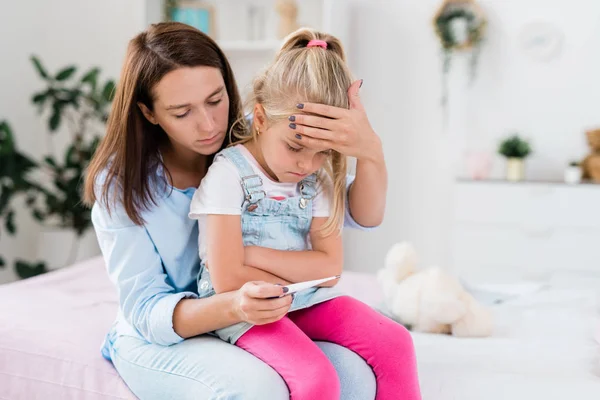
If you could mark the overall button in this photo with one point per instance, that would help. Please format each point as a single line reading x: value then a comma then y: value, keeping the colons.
x: 303, y: 202
x: 204, y: 285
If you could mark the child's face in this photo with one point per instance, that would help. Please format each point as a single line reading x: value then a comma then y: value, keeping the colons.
x: 287, y: 160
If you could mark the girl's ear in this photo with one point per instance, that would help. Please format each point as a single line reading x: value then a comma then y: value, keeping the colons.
x: 260, y: 118
x: 147, y: 113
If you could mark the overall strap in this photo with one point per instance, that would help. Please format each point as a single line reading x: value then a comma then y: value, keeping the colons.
x: 251, y: 182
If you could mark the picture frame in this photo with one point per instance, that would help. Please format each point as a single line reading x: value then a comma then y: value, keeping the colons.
x: 199, y: 14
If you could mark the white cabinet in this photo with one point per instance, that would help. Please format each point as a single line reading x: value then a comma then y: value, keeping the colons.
x: 512, y: 231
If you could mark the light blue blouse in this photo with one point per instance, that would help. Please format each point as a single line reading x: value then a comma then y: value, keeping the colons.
x: 153, y: 266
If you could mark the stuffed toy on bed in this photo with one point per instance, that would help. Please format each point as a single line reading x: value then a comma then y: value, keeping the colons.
x: 429, y: 300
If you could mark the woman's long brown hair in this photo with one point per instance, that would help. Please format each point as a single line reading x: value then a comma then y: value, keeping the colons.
x: 124, y: 167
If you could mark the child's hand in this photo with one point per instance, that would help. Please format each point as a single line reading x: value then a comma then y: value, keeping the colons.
x: 253, y: 305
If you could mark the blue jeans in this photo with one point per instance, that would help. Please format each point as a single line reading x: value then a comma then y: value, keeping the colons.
x: 207, y: 368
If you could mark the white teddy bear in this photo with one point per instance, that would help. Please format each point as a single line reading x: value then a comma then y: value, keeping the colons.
x: 430, y: 300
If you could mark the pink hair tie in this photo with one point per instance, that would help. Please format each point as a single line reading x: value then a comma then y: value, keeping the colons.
x: 319, y: 43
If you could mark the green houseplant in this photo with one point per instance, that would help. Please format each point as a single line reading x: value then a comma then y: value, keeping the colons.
x: 73, y: 106
x: 515, y: 150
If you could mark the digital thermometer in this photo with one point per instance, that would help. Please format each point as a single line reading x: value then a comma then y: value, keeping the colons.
x: 296, y: 287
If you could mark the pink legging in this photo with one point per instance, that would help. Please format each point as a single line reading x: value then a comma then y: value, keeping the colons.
x: 287, y: 346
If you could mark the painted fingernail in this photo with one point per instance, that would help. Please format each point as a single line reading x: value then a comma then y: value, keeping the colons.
x: 293, y: 126
x: 298, y: 136
x: 300, y: 106
x: 285, y: 290
x: 361, y: 82
x: 292, y: 118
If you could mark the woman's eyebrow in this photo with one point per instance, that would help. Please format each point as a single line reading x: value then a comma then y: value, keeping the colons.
x: 178, y: 106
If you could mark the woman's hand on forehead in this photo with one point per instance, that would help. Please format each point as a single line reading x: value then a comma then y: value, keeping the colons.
x: 308, y: 142
x: 347, y: 131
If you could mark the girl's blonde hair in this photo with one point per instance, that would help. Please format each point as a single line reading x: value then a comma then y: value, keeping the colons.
x: 306, y: 74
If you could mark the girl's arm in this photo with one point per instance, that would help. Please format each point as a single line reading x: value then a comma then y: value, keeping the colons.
x: 324, y: 260
x: 225, y: 256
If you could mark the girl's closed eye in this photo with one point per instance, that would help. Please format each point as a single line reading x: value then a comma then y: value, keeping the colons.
x: 214, y: 102
x: 294, y: 149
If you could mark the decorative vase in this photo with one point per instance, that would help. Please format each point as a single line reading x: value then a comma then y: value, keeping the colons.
x: 288, y: 14
x: 515, y: 169
x: 573, y: 174
x: 479, y: 164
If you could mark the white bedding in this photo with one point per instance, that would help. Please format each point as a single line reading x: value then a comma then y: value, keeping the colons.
x: 544, y: 347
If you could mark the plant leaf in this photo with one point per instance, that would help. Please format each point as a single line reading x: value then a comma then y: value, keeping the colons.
x: 109, y: 90
x: 54, y: 121
x: 66, y: 73
x: 50, y: 161
x: 91, y: 77
x: 39, y: 98
x: 5, y: 197
x: 37, y: 214
x: 39, y: 67
x: 27, y: 270
x: 10, y: 223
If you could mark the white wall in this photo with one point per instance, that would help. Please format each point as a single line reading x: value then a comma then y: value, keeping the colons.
x: 552, y: 103
x: 85, y: 33
x: 393, y: 48
x: 397, y: 54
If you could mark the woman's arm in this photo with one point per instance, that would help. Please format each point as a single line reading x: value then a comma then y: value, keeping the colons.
x: 146, y: 299
x: 324, y: 260
x: 225, y: 256
x: 251, y: 303
x: 350, y: 133
x: 367, y: 194
x: 153, y: 307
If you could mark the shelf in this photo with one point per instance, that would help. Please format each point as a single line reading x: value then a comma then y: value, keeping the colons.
x: 585, y: 183
x: 247, y: 45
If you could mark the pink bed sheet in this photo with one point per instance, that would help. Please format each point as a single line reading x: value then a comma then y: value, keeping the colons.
x: 52, y: 326
x: 51, y: 329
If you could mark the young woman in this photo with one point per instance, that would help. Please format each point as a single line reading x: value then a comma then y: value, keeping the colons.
x: 176, y: 101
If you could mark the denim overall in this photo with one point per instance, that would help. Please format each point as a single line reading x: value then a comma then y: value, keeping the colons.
x: 279, y: 225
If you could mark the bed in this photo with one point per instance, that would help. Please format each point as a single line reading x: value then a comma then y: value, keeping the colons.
x: 544, y: 345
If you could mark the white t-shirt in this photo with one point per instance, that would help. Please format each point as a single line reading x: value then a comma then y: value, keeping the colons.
x: 221, y: 193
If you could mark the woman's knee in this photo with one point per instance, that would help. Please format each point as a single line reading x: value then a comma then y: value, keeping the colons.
x: 356, y: 376
x: 266, y: 384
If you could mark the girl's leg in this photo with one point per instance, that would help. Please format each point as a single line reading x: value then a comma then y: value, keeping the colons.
x: 304, y: 367
x: 386, y: 345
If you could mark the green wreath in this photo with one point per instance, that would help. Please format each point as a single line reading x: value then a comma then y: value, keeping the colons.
x: 476, y: 24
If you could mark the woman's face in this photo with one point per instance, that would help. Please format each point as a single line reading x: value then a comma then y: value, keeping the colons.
x: 192, y: 106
